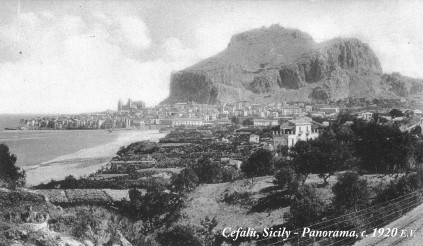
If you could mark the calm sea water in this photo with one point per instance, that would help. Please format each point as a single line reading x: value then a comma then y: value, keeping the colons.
x: 51, y: 154
x: 36, y: 147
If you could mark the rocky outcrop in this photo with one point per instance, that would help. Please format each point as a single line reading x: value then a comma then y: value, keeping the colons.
x: 403, y: 86
x: 280, y: 64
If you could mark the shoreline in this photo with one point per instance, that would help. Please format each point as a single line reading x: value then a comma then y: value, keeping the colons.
x: 84, y: 161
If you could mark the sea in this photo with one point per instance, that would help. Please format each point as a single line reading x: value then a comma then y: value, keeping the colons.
x: 55, y: 154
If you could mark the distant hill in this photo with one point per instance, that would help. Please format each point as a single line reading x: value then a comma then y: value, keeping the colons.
x: 281, y: 64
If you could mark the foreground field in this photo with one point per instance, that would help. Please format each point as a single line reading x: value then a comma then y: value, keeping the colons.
x: 211, y: 200
x: 207, y: 200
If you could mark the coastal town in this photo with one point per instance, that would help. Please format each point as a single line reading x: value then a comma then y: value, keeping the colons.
x: 243, y: 168
x: 135, y: 115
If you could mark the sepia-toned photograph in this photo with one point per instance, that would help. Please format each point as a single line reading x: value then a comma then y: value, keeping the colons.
x: 211, y: 123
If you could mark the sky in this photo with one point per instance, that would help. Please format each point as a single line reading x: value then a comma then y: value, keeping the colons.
x: 83, y: 56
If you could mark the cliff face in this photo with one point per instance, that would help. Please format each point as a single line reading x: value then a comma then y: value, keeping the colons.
x: 279, y: 64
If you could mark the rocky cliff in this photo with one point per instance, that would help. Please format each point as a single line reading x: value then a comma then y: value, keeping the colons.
x: 280, y: 64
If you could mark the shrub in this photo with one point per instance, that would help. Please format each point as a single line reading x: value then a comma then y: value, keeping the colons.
x: 179, y: 235
x: 230, y: 174
x: 286, y: 178
x: 350, y: 192
x: 185, y: 180
x: 306, y: 207
x: 405, y: 185
x: 207, y: 171
x: 156, y: 207
x: 237, y: 198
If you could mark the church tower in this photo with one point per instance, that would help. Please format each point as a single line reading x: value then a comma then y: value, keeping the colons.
x: 120, y: 105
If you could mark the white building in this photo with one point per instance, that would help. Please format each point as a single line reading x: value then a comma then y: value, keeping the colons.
x: 366, y: 116
x: 183, y: 122
x: 330, y: 110
x: 293, y: 131
x: 265, y: 122
x: 308, y: 108
x: 254, y: 138
x: 290, y: 111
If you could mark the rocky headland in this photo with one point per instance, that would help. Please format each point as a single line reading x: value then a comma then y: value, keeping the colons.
x: 280, y: 64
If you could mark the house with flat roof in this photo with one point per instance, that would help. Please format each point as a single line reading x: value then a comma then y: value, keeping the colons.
x: 183, y: 122
x: 292, y: 131
x: 265, y: 122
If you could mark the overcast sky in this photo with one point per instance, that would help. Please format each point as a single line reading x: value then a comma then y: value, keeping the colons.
x: 83, y: 56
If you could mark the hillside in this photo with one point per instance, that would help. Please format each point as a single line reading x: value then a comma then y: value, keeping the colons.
x: 237, y: 203
x: 281, y: 64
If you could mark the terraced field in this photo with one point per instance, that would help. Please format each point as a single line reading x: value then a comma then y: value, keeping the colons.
x: 84, y: 196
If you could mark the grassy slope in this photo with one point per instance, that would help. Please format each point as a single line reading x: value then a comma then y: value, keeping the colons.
x: 207, y: 200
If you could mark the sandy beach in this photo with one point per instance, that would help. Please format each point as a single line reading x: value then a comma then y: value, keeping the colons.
x: 85, y: 161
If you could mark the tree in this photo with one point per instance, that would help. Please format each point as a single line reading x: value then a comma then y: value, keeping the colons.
x: 343, y: 117
x: 330, y: 154
x: 303, y: 159
x: 383, y: 148
x: 248, y: 122
x: 185, y: 180
x: 395, y: 113
x: 258, y: 164
x: 280, y: 162
x: 351, y: 193
x: 156, y: 207
x: 286, y: 178
x: 70, y: 182
x: 207, y: 171
x: 283, y: 150
x: 10, y: 174
x: 306, y: 207
x: 235, y: 120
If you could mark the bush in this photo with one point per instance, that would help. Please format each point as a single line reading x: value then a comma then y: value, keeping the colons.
x: 185, y: 180
x: 156, y: 207
x: 286, y: 178
x: 230, y: 174
x: 306, y: 207
x: 179, y: 235
x: 207, y: 171
x: 350, y: 192
x: 237, y: 198
x: 406, y: 185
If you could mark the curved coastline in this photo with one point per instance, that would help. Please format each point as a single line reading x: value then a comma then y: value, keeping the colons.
x: 85, y: 161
